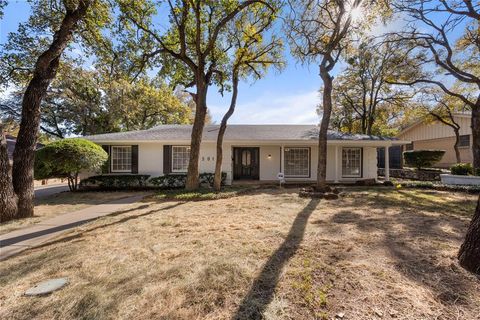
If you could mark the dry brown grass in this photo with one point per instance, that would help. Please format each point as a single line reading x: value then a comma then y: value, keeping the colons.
x: 269, y: 254
x: 60, y: 203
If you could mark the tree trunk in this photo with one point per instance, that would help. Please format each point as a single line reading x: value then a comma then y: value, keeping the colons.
x: 455, y: 146
x: 45, y: 71
x: 217, y: 182
x: 469, y: 254
x: 192, y: 182
x: 323, y: 132
x: 475, y: 124
x: 8, y: 199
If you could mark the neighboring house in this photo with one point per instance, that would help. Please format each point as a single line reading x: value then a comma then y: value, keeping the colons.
x: 438, y: 136
x: 251, y: 152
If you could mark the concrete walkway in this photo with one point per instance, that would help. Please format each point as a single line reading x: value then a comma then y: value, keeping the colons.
x: 16, y: 241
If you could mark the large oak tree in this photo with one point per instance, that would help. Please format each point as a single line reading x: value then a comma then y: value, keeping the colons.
x: 62, y: 19
x: 191, y: 50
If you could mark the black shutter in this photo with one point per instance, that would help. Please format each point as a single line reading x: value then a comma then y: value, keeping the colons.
x: 106, y: 165
x: 167, y: 159
x: 135, y: 159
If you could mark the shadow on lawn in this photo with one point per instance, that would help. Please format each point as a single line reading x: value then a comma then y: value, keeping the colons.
x: 261, y: 292
x: 105, y: 225
x: 415, y: 241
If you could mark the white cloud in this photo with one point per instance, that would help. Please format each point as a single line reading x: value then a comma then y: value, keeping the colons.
x: 297, y: 108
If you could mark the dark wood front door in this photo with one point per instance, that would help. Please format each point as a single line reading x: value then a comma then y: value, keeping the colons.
x: 246, y: 163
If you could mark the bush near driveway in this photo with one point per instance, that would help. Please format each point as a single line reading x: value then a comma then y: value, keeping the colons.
x: 67, y: 158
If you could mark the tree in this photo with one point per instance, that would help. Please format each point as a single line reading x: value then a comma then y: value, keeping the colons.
x: 469, y: 254
x: 362, y: 95
x: 84, y: 102
x: 322, y: 30
x: 456, y: 57
x: 191, y: 50
x: 253, y: 56
x: 8, y: 198
x: 67, y: 158
x: 64, y: 18
x: 442, y: 108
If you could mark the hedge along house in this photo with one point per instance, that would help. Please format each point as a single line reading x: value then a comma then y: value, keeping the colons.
x: 250, y: 152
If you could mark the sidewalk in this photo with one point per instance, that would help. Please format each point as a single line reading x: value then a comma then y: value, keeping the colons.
x: 16, y: 241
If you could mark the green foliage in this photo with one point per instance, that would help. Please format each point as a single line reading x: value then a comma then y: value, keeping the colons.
x: 19, y: 53
x: 422, y: 158
x: 171, y: 181
x: 67, y: 157
x: 364, y: 101
x: 462, y: 169
x: 85, y: 102
x: 115, y: 182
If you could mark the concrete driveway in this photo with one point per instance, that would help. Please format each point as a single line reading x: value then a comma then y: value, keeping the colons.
x: 46, y: 191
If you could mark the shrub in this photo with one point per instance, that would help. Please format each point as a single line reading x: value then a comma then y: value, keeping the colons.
x: 422, y: 158
x: 172, y: 181
x: 67, y: 158
x: 115, y: 182
x: 462, y: 169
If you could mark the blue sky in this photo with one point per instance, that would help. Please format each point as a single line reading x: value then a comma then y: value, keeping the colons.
x: 290, y: 97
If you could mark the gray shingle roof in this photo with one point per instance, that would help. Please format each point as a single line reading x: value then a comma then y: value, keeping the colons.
x: 235, y: 132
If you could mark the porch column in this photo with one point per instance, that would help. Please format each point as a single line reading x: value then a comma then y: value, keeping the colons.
x: 282, y: 162
x: 387, y: 164
x: 336, y: 164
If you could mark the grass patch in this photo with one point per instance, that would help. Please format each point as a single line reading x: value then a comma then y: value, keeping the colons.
x: 269, y: 251
x: 201, y: 194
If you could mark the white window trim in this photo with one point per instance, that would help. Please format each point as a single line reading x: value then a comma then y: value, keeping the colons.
x: 285, y: 158
x: 361, y: 163
x: 111, y: 160
x: 171, y: 160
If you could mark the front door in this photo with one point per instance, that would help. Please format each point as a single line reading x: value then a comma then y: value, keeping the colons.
x: 246, y: 163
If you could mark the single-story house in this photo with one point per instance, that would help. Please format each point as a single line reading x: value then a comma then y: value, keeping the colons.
x: 250, y: 152
x: 436, y: 135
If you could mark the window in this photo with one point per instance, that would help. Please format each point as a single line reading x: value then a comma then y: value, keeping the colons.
x: 297, y: 162
x: 352, y: 162
x: 180, y: 157
x: 409, y: 146
x: 121, y: 159
x: 464, y: 141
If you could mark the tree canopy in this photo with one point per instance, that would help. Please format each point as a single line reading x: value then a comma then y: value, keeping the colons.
x: 67, y: 158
